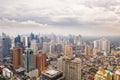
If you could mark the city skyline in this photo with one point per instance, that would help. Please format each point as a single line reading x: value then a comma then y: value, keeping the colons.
x: 88, y: 18
x: 59, y: 39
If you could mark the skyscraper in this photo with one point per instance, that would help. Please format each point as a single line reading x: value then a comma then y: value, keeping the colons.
x: 103, y: 45
x: 45, y: 47
x: 58, y: 48
x: 34, y: 46
x: 78, y: 40
x: 71, y: 68
x: 6, y: 45
x: 32, y: 36
x: 17, y: 57
x: 88, y: 50
x: 26, y: 41
x: 40, y: 62
x: 68, y: 50
x: 1, y: 50
x: 95, y: 51
x: 29, y: 60
x: 17, y: 40
x: 52, y: 48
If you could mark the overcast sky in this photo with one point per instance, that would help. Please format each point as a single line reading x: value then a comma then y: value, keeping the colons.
x: 85, y: 17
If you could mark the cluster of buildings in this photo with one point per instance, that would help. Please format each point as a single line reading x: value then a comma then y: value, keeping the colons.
x: 51, y: 57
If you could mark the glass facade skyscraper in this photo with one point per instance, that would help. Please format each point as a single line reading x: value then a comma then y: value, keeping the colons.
x: 29, y: 60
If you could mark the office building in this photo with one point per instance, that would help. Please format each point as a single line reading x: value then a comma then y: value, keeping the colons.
x: 17, y: 41
x: 45, y: 47
x: 26, y: 42
x: 59, y: 48
x: 70, y: 67
x: 40, y: 62
x: 29, y: 60
x: 32, y: 36
x: 103, y: 45
x: 17, y: 57
x: 6, y: 45
x: 95, y: 51
x: 68, y: 50
x: 88, y: 50
x: 1, y: 49
x: 61, y: 64
x: 52, y: 48
x: 78, y: 40
x: 34, y: 46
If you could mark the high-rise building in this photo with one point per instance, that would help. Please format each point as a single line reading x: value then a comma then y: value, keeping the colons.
x: 68, y: 50
x: 88, y: 50
x: 103, y: 45
x: 95, y: 51
x: 106, y: 46
x: 59, y: 48
x: 29, y: 60
x: 6, y: 45
x: 26, y: 41
x: 70, y: 67
x: 78, y: 40
x: 96, y: 44
x: 1, y: 50
x: 61, y: 64
x: 17, y: 41
x: 52, y: 48
x: 34, y: 46
x: 32, y: 36
x: 45, y: 47
x: 17, y: 57
x: 40, y: 62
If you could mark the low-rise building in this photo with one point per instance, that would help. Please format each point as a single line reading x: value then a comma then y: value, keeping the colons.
x: 7, y: 73
x: 117, y: 75
x: 52, y: 75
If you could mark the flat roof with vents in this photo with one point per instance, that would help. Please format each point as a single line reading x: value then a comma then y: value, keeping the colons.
x: 51, y: 73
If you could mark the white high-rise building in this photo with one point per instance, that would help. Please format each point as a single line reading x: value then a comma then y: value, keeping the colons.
x: 34, y: 46
x: 45, y: 47
x: 51, y: 48
x: 103, y: 45
x: 26, y: 41
x: 78, y: 40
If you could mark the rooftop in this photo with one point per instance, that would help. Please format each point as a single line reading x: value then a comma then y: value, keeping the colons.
x: 118, y: 72
x: 51, y: 73
x: 6, y: 69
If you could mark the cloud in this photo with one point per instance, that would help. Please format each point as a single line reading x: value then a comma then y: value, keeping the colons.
x: 16, y: 24
x: 73, y: 16
x: 102, y: 3
x: 32, y: 23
